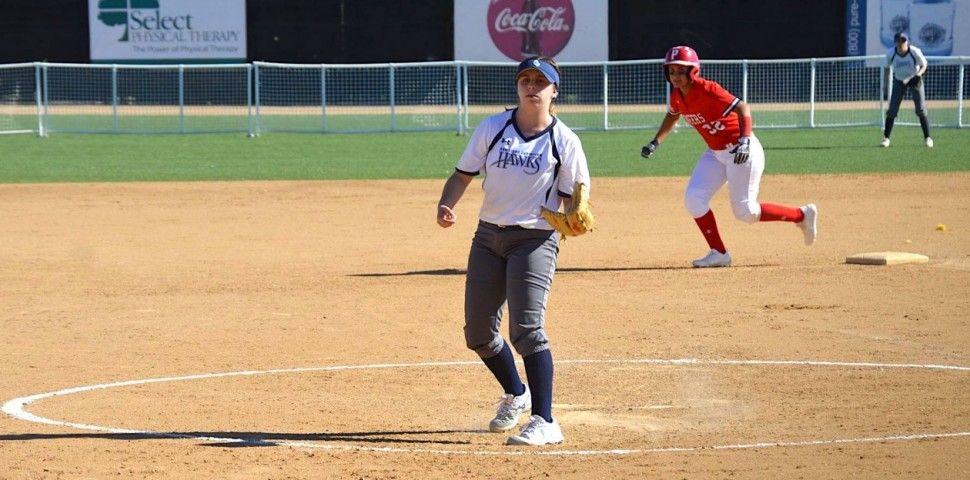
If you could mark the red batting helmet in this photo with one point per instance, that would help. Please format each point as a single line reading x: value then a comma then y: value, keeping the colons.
x: 683, y: 55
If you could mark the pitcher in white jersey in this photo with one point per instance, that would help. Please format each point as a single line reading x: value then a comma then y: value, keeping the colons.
x: 529, y: 160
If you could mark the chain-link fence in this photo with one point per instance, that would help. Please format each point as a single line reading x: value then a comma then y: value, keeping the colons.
x: 452, y: 96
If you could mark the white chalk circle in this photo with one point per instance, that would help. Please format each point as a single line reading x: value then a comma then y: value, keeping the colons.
x: 17, y: 408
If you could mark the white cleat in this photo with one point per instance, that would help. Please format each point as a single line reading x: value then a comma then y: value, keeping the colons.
x: 537, y: 432
x: 809, y: 226
x: 929, y: 142
x: 885, y: 142
x: 510, y: 408
x: 713, y: 259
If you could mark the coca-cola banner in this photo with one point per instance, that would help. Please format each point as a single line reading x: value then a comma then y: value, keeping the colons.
x: 511, y: 30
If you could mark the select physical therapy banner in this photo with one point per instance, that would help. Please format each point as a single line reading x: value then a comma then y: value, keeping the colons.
x: 938, y: 27
x: 167, y: 30
x: 512, y: 30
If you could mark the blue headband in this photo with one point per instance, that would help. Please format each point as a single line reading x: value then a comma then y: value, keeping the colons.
x: 543, y: 66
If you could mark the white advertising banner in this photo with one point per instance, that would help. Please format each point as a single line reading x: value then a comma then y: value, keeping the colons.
x: 512, y: 30
x: 938, y: 27
x: 167, y: 30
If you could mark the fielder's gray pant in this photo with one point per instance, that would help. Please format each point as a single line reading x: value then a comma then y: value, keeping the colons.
x: 515, y: 265
x: 919, y: 100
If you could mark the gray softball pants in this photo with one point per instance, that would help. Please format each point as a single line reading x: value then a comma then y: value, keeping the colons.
x: 899, y: 90
x: 514, y: 265
x: 919, y: 100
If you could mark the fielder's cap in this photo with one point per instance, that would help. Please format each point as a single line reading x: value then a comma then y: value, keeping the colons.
x: 542, y: 65
x: 901, y: 37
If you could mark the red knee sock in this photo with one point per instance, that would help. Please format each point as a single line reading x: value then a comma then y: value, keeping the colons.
x: 708, y: 227
x: 772, y: 212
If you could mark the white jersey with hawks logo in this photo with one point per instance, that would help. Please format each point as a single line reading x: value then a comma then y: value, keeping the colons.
x: 523, y: 173
x: 905, y: 66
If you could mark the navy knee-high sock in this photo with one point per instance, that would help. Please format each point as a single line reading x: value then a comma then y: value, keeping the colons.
x: 503, y: 367
x: 924, y: 123
x: 538, y: 369
x: 889, y: 126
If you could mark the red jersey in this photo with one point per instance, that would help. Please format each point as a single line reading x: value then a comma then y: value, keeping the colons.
x: 707, y: 107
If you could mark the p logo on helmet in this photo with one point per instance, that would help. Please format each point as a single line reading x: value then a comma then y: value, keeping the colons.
x: 682, y: 55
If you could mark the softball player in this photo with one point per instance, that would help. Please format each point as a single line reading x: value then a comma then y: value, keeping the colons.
x: 734, y: 155
x: 529, y: 159
x: 909, y: 65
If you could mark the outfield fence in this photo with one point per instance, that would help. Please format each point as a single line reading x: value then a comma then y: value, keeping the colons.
x: 253, y: 98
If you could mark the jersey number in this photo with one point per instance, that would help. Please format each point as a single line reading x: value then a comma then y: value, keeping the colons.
x: 713, y: 127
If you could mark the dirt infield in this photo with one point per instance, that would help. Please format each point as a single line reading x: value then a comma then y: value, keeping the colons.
x: 112, y: 282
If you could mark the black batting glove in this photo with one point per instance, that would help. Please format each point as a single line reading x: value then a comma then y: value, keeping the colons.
x: 742, y: 150
x: 649, y: 148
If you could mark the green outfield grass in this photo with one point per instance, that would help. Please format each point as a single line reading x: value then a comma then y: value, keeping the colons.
x: 278, y: 156
x: 313, y: 121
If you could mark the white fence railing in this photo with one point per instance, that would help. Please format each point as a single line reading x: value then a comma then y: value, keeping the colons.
x: 274, y: 97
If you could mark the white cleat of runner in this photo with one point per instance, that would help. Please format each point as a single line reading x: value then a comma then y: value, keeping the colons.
x: 713, y: 259
x: 537, y: 432
x: 884, y: 143
x: 809, y: 226
x: 510, y: 408
x: 929, y: 142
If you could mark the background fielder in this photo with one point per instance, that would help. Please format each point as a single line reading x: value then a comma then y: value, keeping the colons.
x: 909, y: 65
x: 734, y: 155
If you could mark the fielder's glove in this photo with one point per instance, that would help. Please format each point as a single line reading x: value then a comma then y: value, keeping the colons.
x: 742, y: 150
x: 914, y: 82
x: 578, y: 219
x: 649, y: 148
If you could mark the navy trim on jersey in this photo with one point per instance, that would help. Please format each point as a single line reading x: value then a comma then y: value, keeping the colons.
x: 908, y: 52
x: 555, y: 154
x: 563, y: 194
x: 529, y: 139
x: 555, y: 148
x: 497, y: 137
x: 731, y: 107
x: 470, y: 174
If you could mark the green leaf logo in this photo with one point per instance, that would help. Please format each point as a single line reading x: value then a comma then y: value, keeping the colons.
x: 115, y: 12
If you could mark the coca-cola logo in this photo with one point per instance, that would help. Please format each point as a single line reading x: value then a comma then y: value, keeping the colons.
x: 526, y: 28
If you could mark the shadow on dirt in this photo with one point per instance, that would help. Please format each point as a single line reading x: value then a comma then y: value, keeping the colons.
x: 264, y: 439
x: 457, y: 271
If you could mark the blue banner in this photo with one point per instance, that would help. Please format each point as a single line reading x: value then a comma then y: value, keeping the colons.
x: 855, y: 27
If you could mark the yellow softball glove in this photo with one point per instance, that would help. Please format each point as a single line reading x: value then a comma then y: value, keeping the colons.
x: 578, y: 218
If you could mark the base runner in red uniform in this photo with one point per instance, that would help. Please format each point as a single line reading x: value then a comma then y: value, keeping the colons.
x: 734, y: 155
